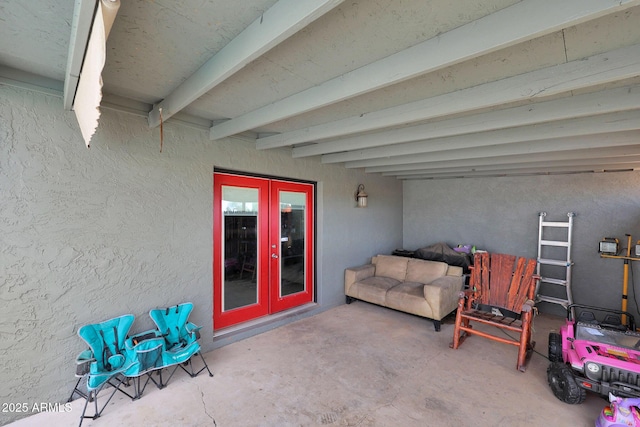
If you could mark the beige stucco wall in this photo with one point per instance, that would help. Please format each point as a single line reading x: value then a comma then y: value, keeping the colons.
x: 90, y: 234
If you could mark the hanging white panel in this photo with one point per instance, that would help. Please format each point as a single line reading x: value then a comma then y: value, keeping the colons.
x: 89, y: 93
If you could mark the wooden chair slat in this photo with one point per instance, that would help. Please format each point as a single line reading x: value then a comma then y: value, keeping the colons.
x: 515, y: 287
x: 483, y: 282
x: 501, y: 278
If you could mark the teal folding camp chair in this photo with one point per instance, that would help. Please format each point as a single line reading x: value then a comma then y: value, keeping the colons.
x: 181, y: 338
x: 146, y: 349
x: 104, y: 362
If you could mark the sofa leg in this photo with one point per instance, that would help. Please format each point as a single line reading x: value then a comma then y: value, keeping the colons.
x: 349, y: 299
x: 437, y: 324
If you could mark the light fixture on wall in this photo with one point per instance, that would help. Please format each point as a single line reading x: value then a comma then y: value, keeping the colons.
x: 609, y: 246
x: 361, y: 197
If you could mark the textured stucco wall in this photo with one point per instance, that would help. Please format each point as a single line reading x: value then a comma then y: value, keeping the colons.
x: 501, y: 215
x: 90, y: 234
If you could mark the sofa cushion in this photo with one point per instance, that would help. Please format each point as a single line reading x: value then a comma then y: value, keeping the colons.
x: 409, y: 297
x: 373, y: 289
x: 422, y: 271
x: 391, y: 266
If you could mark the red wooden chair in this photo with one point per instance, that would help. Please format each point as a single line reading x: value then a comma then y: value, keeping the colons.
x: 506, y: 283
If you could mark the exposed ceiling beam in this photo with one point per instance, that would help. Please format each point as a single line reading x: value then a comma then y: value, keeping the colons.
x: 596, y: 70
x: 589, y: 104
x: 612, y: 122
x: 615, y: 167
x: 589, y: 154
x: 523, y: 21
x: 281, y: 21
x: 525, y: 165
x: 141, y: 109
x: 80, y: 30
x: 525, y: 147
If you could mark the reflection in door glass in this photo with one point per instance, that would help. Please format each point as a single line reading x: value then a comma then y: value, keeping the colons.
x: 240, y: 246
x: 292, y: 242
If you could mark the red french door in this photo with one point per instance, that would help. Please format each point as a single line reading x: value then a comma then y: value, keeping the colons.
x: 262, y: 246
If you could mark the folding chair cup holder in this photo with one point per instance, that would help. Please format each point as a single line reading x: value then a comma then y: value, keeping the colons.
x: 114, y: 358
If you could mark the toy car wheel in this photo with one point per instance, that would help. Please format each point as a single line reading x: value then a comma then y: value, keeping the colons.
x: 564, y: 385
x: 555, y: 347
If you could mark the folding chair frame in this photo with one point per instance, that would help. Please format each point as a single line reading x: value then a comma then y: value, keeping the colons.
x: 92, y: 395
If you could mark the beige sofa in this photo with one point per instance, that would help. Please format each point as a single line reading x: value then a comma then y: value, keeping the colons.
x: 424, y: 288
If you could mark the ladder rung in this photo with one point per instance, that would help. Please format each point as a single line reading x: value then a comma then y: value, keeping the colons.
x: 553, y: 281
x: 558, y: 262
x: 555, y: 224
x: 554, y: 243
x: 553, y: 300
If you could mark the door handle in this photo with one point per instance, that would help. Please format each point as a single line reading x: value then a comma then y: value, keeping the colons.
x: 274, y: 256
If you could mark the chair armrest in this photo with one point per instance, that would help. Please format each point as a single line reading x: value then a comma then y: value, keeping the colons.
x: 465, y: 294
x: 193, y: 329
x: 85, y: 356
x: 466, y: 299
x: 356, y: 274
x: 83, y: 361
x: 527, y: 306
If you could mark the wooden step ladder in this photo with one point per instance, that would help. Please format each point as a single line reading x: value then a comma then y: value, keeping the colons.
x: 558, y: 277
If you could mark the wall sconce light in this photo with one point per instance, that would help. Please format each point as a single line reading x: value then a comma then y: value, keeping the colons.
x: 361, y: 197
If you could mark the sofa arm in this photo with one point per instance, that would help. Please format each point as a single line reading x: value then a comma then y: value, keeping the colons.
x: 356, y: 274
x: 443, y: 294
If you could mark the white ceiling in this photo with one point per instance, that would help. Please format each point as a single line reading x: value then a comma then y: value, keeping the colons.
x: 415, y: 89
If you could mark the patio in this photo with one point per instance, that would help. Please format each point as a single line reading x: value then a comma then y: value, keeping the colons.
x: 353, y: 365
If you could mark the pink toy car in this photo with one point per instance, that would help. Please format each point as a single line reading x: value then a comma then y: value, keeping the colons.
x: 602, y: 356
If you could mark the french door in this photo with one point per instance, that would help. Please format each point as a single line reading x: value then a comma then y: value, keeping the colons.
x: 262, y: 246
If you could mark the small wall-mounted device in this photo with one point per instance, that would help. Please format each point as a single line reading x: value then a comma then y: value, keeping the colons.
x: 609, y: 246
x: 638, y: 249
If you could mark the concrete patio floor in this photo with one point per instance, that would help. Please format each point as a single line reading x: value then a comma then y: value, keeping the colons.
x: 354, y: 365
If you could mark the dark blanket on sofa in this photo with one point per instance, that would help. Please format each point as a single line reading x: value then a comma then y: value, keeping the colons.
x: 442, y: 252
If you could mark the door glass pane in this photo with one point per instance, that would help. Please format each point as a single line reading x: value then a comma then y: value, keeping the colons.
x: 292, y: 242
x: 240, y: 247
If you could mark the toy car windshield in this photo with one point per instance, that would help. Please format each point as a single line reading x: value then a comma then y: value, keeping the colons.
x: 596, y: 333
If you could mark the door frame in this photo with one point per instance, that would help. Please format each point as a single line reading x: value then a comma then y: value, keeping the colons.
x: 269, y: 289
